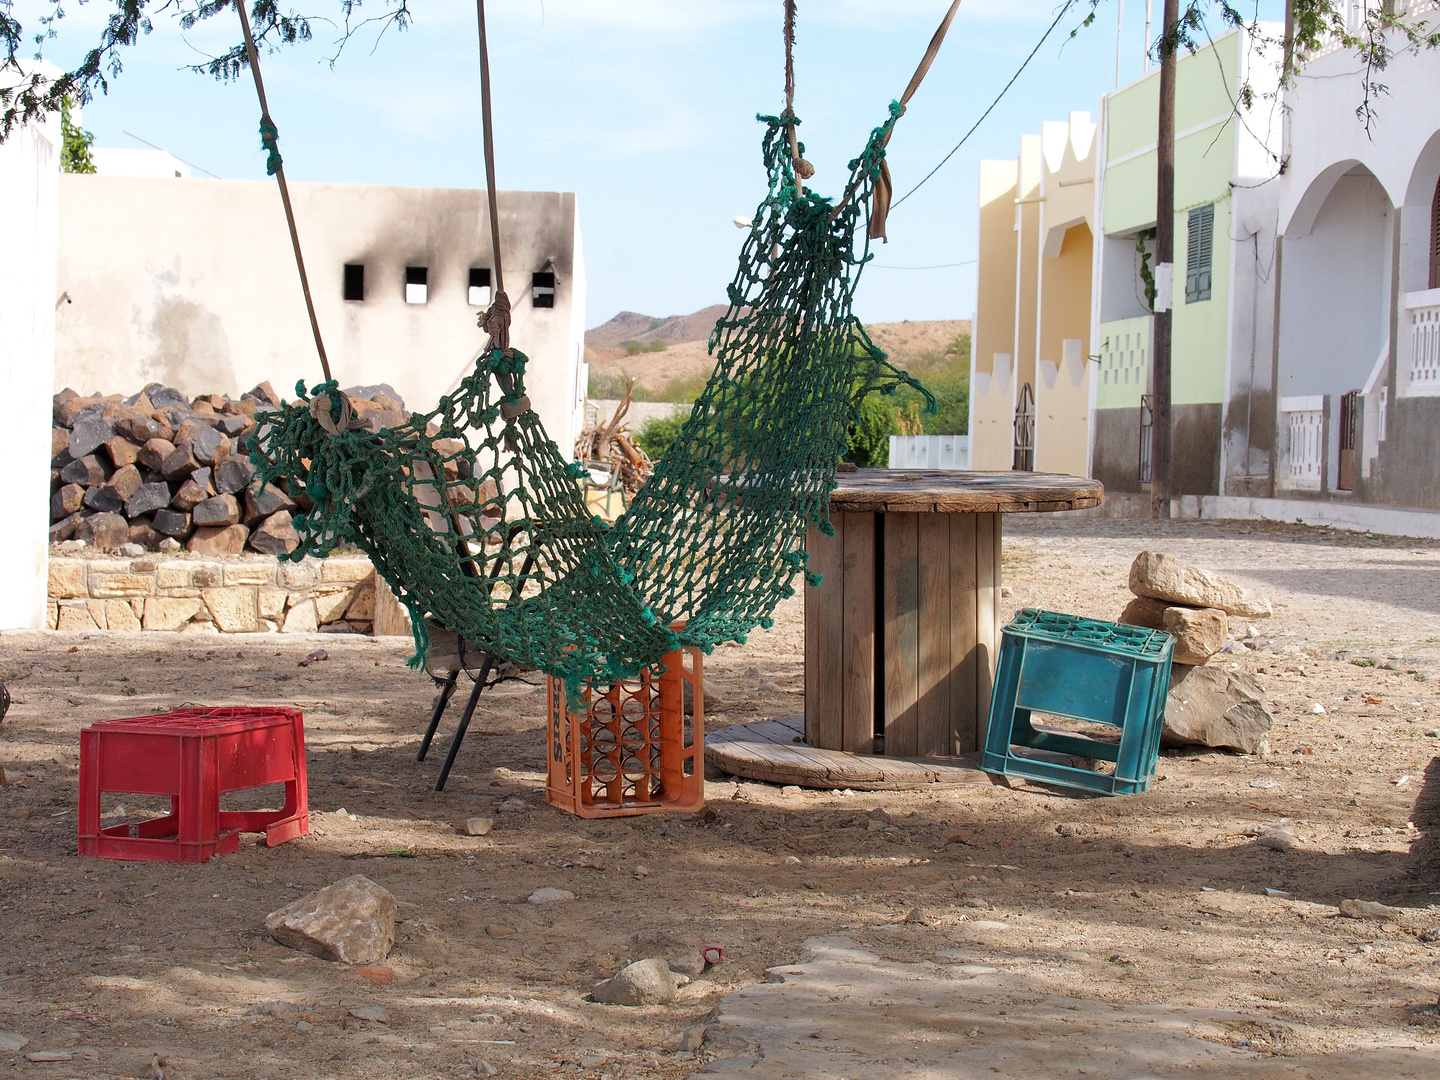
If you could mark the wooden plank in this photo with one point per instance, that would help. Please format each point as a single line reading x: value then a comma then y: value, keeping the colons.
x: 900, y: 572
x: 933, y: 717
x: 903, y: 490
x: 766, y: 750
x: 824, y: 639
x: 987, y: 600
x: 856, y: 683
x: 964, y: 716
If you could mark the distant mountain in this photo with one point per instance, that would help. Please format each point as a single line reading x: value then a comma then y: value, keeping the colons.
x: 632, y: 326
x: 680, y: 361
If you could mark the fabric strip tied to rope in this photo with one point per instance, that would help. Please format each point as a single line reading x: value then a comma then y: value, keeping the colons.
x: 270, y: 141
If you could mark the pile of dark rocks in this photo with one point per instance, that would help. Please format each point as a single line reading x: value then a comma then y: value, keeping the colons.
x: 161, y: 471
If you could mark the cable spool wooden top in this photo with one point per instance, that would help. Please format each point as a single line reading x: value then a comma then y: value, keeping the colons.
x: 922, y: 491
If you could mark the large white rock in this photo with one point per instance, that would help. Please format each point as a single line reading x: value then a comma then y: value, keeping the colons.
x: 645, y: 982
x: 1209, y: 706
x: 352, y: 921
x: 1163, y: 577
x: 1199, y: 633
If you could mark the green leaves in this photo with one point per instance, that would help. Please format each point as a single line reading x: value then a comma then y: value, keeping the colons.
x: 75, y: 144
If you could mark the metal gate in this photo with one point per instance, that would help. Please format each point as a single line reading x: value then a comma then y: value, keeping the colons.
x: 1147, y: 432
x: 1349, y: 430
x: 1024, y: 460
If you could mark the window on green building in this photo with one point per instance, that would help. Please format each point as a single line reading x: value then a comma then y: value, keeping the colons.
x: 1198, y: 252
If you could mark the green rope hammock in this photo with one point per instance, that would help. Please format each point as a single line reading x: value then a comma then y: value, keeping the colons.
x: 477, y: 520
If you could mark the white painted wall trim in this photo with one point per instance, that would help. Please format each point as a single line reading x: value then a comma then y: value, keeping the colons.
x: 1354, y: 517
x: 1336, y: 514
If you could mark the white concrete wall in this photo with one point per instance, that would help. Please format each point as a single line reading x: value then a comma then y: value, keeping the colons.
x: 29, y: 171
x: 192, y: 283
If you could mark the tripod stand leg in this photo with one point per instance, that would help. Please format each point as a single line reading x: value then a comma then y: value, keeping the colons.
x: 445, y: 691
x: 459, y: 735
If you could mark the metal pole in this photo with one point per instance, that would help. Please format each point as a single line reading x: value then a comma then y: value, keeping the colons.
x: 1164, y: 265
x: 1119, y: 28
x: 1148, y: 4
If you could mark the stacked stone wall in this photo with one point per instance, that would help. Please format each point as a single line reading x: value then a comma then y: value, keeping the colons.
x: 233, y: 596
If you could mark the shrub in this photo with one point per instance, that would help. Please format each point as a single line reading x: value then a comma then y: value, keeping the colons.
x: 635, y: 348
x: 869, y: 440
x: 947, y: 376
x: 657, y: 433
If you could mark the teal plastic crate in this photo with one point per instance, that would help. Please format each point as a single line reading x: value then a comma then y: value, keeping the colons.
x: 1082, y: 669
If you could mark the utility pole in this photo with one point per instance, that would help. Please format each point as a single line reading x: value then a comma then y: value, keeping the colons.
x: 1119, y: 37
x: 1164, y: 267
x: 1147, y: 34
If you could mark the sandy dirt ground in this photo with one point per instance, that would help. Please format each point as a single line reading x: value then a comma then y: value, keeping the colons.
x: 1158, y: 899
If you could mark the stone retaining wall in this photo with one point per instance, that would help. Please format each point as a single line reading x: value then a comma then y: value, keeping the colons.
x: 234, y: 596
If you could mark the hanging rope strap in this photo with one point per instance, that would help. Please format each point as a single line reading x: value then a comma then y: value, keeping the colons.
x: 884, y: 189
x: 803, y: 169
x: 274, y: 166
x: 495, y: 321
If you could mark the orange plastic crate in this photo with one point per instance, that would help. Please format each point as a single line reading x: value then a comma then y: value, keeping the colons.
x: 634, y: 751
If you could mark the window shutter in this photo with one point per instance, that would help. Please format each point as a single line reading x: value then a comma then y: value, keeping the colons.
x: 1199, y: 249
x: 1435, y: 239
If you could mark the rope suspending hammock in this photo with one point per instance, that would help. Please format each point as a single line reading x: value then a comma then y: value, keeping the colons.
x: 473, y: 515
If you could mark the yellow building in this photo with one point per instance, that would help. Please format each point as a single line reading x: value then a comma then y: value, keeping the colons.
x: 1030, y: 378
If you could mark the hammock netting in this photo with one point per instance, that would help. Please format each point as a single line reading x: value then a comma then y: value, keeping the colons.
x: 478, y: 521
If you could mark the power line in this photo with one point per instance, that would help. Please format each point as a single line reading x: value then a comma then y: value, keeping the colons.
x: 166, y: 151
x: 1068, y: 5
x: 938, y: 266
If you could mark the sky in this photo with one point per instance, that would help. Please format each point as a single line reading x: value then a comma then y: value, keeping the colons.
x: 645, y: 109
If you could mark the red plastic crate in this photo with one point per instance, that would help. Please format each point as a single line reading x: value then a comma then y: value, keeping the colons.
x: 194, y: 755
x: 634, y: 751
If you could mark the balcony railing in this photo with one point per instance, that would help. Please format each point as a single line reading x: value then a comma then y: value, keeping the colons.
x: 1302, y: 433
x: 1422, y: 312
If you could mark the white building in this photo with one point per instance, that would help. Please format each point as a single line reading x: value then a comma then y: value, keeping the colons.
x: 116, y: 161
x: 29, y: 174
x: 1357, y: 368
x: 192, y: 283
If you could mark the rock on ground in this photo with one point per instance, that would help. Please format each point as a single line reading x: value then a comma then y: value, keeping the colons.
x: 1210, y: 706
x: 1163, y: 577
x: 1199, y: 633
x: 1368, y: 909
x: 645, y: 982
x: 352, y: 921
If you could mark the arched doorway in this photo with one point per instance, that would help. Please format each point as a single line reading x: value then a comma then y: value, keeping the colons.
x: 1334, y: 323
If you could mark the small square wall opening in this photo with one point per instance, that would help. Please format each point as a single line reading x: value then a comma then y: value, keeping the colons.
x: 354, y: 281
x: 479, y: 287
x: 542, y: 289
x: 417, y: 287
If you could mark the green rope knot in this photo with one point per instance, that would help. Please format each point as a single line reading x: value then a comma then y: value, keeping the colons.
x: 270, y: 141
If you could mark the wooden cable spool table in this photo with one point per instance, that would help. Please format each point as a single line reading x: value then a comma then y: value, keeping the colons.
x: 902, y: 635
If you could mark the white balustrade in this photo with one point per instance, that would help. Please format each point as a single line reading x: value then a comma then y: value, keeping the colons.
x: 1422, y: 312
x: 1302, y: 420
x: 929, y: 451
